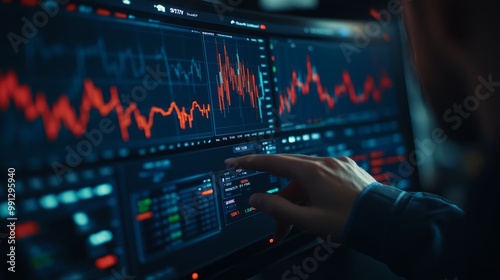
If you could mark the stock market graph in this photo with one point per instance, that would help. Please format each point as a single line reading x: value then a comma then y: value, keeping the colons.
x: 148, y: 86
x: 117, y: 122
x: 152, y: 90
x: 102, y: 77
x: 239, y: 81
x: 315, y: 84
x: 63, y: 114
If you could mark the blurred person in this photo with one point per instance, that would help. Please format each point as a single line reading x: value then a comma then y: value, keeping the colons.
x: 456, y: 52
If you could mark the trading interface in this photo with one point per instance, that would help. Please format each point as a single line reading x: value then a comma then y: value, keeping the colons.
x: 317, y: 85
x: 117, y: 117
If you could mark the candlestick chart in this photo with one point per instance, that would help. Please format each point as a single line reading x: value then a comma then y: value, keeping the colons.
x: 315, y: 84
x: 239, y: 81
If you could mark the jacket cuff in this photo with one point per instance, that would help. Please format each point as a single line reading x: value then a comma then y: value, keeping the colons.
x: 373, y: 215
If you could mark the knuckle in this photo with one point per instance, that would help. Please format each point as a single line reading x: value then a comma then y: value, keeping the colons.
x: 315, y: 166
x: 330, y: 162
x: 345, y: 159
x: 350, y: 162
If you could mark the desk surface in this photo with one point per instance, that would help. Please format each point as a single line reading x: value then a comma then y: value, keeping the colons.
x: 341, y: 264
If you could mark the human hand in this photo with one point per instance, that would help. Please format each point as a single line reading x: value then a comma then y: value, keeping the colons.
x: 319, y: 198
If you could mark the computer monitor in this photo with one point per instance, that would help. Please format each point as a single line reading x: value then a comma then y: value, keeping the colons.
x: 116, y: 118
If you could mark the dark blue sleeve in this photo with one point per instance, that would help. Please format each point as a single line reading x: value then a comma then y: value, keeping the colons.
x: 417, y: 235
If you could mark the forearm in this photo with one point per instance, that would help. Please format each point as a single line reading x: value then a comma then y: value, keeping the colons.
x: 417, y: 235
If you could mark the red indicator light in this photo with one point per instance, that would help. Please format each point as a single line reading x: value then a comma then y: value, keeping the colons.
x: 120, y: 15
x: 263, y: 27
x: 26, y: 229
x: 103, y: 12
x: 195, y: 276
x: 29, y: 3
x: 359, y: 157
x: 144, y: 216
x: 377, y: 154
x: 106, y: 262
x: 234, y: 214
x: 376, y: 170
x: 271, y: 240
x: 375, y: 14
x: 377, y: 162
x: 207, y: 192
x: 71, y: 7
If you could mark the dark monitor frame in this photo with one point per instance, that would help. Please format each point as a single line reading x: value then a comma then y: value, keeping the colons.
x: 248, y: 261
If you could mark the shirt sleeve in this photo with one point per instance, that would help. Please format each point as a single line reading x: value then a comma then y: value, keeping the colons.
x: 417, y: 235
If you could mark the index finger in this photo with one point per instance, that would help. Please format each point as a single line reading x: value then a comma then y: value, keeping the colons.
x: 281, y: 165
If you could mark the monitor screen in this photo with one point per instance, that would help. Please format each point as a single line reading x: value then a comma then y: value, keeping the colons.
x: 116, y: 118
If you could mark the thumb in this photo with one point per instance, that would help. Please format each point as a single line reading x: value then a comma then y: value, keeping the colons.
x: 280, y: 209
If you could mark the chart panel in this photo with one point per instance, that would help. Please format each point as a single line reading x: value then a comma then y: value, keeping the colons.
x: 317, y: 86
x: 239, y: 80
x: 67, y: 230
x: 237, y: 186
x: 176, y: 215
x: 122, y: 84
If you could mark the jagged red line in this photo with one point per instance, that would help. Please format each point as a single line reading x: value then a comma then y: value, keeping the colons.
x: 63, y: 113
x: 289, y: 99
x: 240, y: 80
